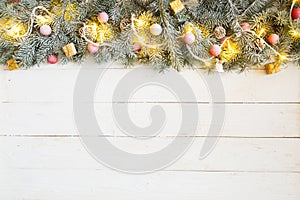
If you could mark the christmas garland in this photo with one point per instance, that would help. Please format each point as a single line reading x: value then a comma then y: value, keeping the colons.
x: 216, y: 35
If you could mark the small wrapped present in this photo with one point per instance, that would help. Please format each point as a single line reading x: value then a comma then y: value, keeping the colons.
x: 70, y: 50
x: 273, y: 68
x: 177, y: 6
x: 12, y: 64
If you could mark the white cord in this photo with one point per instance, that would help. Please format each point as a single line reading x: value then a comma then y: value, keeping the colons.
x: 141, y: 39
x: 83, y: 34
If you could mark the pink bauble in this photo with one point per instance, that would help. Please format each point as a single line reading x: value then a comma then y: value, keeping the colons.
x: 246, y: 27
x: 52, y: 59
x: 137, y: 47
x: 103, y: 17
x: 92, y: 48
x: 45, y: 30
x: 273, y: 39
x: 215, y: 50
x: 296, y: 14
x: 189, y: 38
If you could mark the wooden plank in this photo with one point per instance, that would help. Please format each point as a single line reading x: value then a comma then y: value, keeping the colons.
x: 252, y: 120
x: 58, y: 86
x: 230, y: 154
x: 94, y: 184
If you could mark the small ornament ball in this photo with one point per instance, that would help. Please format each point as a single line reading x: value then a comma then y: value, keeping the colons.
x: 156, y: 29
x: 45, y: 30
x: 273, y: 39
x: 189, y: 38
x: 103, y: 17
x: 52, y: 59
x: 215, y: 50
x: 296, y: 14
x: 137, y: 47
x: 92, y: 48
x: 246, y: 26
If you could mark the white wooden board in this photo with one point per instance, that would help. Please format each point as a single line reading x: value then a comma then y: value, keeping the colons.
x: 230, y: 154
x: 72, y: 184
x: 249, y: 120
x: 58, y: 86
x: 257, y: 156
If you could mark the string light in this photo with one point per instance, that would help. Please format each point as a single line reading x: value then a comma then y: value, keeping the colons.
x: 261, y: 32
x: 96, y: 33
x: 230, y: 51
x: 140, y: 39
x: 18, y: 31
x: 42, y: 20
x: 295, y: 34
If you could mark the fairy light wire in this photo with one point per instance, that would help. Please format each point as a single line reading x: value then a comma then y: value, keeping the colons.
x: 83, y: 34
x: 140, y: 38
x: 205, y: 60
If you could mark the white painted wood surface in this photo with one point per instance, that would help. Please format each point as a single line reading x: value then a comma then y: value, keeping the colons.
x: 257, y: 156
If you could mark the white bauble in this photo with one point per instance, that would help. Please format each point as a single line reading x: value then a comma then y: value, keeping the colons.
x: 45, y: 30
x: 189, y: 38
x: 156, y: 29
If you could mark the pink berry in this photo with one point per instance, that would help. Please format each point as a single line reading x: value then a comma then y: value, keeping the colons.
x: 296, y: 14
x: 52, y: 59
x: 215, y: 50
x: 103, y: 17
x: 92, y: 48
x: 273, y: 39
x: 137, y: 47
x: 246, y: 27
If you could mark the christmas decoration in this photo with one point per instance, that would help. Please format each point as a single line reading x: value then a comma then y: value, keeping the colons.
x: 260, y: 43
x: 70, y: 50
x: 220, y: 32
x: 156, y: 29
x: 272, y: 68
x: 273, y: 39
x: 103, y: 17
x: 224, y: 39
x: 137, y: 47
x: 296, y: 14
x: 177, y: 6
x: 219, y: 66
x: 52, y: 59
x: 189, y: 38
x: 92, y: 48
x: 45, y: 30
x: 232, y: 34
x: 215, y: 50
x: 246, y: 26
x: 12, y: 65
x: 124, y: 24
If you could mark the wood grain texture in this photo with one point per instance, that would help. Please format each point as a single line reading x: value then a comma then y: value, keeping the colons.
x: 72, y: 184
x: 249, y: 120
x: 230, y: 154
x: 256, y: 157
x: 58, y: 86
